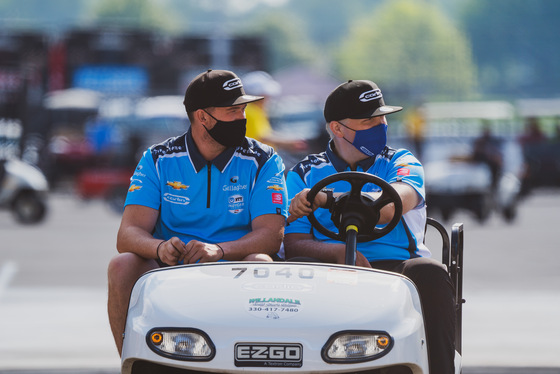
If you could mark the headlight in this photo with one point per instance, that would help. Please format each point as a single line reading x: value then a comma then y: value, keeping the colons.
x: 356, y: 346
x: 181, y: 344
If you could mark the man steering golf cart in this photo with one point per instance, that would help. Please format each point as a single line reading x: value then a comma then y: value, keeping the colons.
x: 208, y: 195
x: 355, y: 114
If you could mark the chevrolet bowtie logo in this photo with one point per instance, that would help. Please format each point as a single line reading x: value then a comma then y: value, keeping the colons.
x: 275, y: 187
x: 177, y: 185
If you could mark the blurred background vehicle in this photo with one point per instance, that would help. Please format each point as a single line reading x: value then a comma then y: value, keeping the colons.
x: 125, y: 127
x: 23, y: 186
x: 23, y: 190
x: 457, y: 181
x: 472, y: 160
x: 122, y: 131
x: 67, y: 149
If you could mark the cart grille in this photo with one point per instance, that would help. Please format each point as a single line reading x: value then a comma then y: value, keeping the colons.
x: 146, y: 367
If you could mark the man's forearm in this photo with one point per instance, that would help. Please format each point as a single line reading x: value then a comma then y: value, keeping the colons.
x: 262, y: 240
x: 137, y: 241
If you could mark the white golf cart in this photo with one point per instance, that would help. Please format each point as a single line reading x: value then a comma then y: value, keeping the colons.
x: 233, y: 317
x: 457, y: 181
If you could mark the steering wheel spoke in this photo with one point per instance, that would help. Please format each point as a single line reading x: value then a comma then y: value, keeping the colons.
x: 382, y: 201
x: 356, y: 187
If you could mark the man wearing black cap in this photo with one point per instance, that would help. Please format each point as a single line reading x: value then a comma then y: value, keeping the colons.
x: 355, y: 114
x: 208, y: 195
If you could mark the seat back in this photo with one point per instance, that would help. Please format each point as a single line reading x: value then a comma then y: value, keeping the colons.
x: 452, y: 257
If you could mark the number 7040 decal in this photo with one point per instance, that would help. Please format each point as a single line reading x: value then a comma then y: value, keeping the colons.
x: 263, y: 272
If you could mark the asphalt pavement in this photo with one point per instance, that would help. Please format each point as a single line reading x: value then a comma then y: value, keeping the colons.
x: 53, y: 290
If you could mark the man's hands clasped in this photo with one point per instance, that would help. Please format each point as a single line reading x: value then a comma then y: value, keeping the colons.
x: 174, y: 251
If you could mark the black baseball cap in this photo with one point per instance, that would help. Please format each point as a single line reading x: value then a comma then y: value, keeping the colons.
x: 216, y: 88
x: 356, y: 99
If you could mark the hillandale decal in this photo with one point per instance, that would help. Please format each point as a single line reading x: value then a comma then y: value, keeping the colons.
x: 273, y: 307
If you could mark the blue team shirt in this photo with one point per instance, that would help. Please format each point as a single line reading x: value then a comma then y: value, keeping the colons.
x: 207, y: 201
x: 406, y: 239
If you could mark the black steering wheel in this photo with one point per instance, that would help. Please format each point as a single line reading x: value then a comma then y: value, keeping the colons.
x: 357, y: 210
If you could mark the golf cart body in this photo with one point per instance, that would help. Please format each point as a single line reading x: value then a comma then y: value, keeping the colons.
x: 279, y: 316
x: 233, y: 317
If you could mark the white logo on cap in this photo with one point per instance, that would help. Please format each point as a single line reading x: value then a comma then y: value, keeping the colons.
x: 370, y: 95
x: 232, y: 84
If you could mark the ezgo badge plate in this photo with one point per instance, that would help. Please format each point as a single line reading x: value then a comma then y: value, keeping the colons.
x: 268, y: 355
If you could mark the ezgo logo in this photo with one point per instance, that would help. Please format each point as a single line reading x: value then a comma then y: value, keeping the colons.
x: 268, y: 355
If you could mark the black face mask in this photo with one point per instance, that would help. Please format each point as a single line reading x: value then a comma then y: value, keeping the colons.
x: 228, y: 133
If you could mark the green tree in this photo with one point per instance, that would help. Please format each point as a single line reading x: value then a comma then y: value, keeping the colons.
x: 326, y: 20
x: 412, y: 49
x: 286, y: 35
x: 516, y: 45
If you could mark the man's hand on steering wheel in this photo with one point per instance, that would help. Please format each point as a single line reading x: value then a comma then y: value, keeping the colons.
x: 300, y: 206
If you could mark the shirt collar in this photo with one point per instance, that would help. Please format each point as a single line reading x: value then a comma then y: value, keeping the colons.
x: 199, y: 162
x: 340, y: 165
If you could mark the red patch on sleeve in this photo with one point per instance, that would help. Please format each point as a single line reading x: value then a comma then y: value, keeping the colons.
x: 403, y: 171
x: 277, y: 198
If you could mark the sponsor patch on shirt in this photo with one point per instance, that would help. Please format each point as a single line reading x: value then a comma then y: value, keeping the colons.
x: 176, y: 199
x: 277, y: 198
x: 275, y: 187
x: 177, y: 185
x: 133, y: 188
x: 275, y: 180
x: 403, y: 172
x: 236, y: 204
